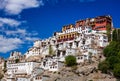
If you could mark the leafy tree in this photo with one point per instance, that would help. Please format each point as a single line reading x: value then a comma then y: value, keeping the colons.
x: 116, y: 70
x: 112, y: 53
x: 4, y: 70
x: 70, y: 60
x: 118, y: 54
x: 90, y: 80
x: 112, y: 61
x: 50, y: 50
x: 108, y: 27
x: 112, y: 49
x: 103, y: 66
x: 5, y: 64
x: 106, y: 50
x: 116, y: 35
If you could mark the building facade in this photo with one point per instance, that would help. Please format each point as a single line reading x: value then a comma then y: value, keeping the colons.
x: 83, y: 40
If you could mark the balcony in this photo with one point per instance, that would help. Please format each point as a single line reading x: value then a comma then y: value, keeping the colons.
x: 65, y: 39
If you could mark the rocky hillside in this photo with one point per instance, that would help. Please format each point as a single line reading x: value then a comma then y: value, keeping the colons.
x: 1, y: 72
x: 88, y: 72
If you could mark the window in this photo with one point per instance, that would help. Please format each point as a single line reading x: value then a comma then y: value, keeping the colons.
x: 55, y: 66
x: 67, y: 36
x: 81, y: 57
x: 49, y: 62
x: 105, y: 37
x: 72, y: 35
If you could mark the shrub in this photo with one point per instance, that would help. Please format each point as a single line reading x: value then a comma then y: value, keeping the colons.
x: 70, y: 60
x: 112, y: 61
x: 51, y: 52
x: 103, y: 66
x: 116, y: 70
x: 90, y: 80
x: 112, y: 54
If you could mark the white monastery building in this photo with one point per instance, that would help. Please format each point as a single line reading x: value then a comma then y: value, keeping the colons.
x: 83, y: 39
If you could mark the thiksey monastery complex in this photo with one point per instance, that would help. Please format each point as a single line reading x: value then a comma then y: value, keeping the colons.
x: 85, y: 40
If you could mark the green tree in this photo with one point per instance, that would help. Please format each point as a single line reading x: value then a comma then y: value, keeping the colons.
x: 70, y: 60
x: 90, y: 57
x: 116, y: 35
x: 5, y: 66
x: 103, y: 66
x: 118, y: 32
x: 112, y: 61
x: 118, y: 54
x: 116, y: 70
x: 112, y: 49
x: 112, y: 54
x: 51, y: 50
x: 108, y: 27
